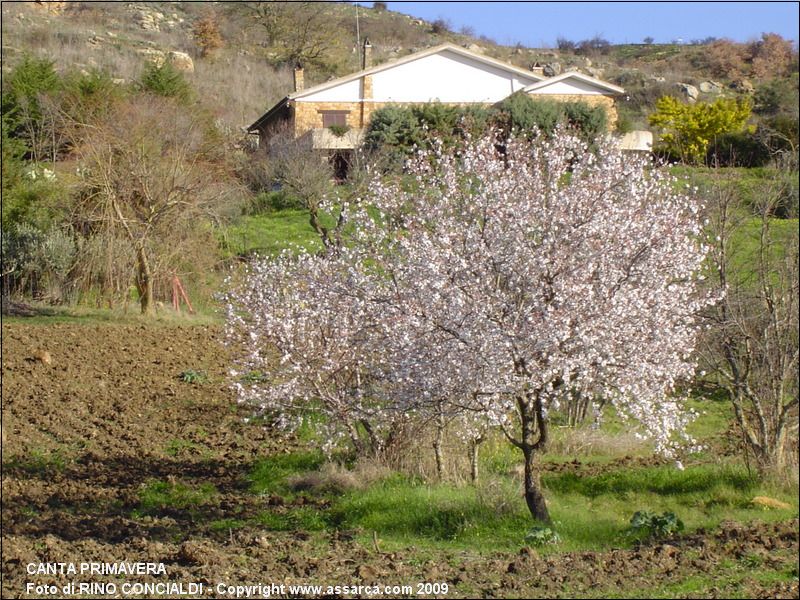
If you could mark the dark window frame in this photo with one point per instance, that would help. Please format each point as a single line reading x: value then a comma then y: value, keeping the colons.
x: 334, y: 117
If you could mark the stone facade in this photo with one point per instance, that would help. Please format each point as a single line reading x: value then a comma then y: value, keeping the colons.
x: 308, y: 115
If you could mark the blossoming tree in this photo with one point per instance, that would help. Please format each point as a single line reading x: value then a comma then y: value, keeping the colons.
x: 309, y: 341
x: 499, y: 282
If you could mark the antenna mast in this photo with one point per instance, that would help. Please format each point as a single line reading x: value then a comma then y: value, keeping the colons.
x: 358, y: 38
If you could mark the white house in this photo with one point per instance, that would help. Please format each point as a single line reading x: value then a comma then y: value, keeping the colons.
x: 448, y: 74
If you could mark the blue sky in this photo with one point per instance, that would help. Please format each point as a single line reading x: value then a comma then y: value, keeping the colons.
x: 538, y: 24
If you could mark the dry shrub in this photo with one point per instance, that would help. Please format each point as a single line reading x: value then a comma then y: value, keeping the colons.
x: 330, y: 479
x: 207, y: 35
x: 593, y: 442
x: 334, y: 478
x: 103, y: 270
x: 772, y: 56
x: 415, y: 456
x: 725, y: 58
x: 498, y: 496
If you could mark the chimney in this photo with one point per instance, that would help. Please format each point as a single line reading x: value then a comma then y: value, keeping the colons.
x: 299, y: 81
x: 366, y: 57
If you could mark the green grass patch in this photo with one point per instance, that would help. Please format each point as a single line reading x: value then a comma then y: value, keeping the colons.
x: 38, y: 462
x: 301, y: 518
x: 269, y: 474
x: 269, y: 234
x: 714, y: 415
x: 406, y: 512
x: 227, y: 524
x: 193, y: 376
x: 727, y: 579
x: 81, y: 315
x: 181, y: 447
x: 594, y: 511
x: 748, y: 184
x: 157, y: 496
x: 746, y: 246
x: 591, y: 512
x: 646, y: 52
x: 661, y: 481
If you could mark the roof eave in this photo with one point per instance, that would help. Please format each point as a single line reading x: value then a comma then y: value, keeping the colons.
x: 269, y: 114
x: 609, y: 87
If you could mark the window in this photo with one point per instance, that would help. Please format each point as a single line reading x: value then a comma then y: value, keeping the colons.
x: 334, y: 117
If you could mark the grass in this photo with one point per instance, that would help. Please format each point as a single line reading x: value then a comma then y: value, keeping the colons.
x: 591, y: 505
x: 193, y: 376
x: 157, y: 496
x: 52, y: 315
x: 746, y: 244
x: 270, y: 233
x: 591, y: 512
x: 727, y: 579
x: 748, y: 184
x: 713, y: 415
x: 269, y: 474
x: 647, y: 52
x: 38, y: 462
x: 303, y: 518
x: 226, y: 525
x: 180, y: 447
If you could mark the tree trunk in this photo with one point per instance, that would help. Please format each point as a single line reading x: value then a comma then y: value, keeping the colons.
x: 780, y: 450
x: 375, y: 443
x: 533, y: 488
x: 144, y: 282
x: 355, y: 439
x: 771, y: 456
x: 437, y: 448
x: 473, y: 459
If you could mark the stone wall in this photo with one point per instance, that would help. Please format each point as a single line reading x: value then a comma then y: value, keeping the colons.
x: 307, y: 115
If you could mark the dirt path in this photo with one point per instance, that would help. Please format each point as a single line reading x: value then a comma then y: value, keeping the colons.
x: 108, y: 414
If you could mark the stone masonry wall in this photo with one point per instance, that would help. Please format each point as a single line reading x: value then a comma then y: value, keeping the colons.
x: 307, y: 115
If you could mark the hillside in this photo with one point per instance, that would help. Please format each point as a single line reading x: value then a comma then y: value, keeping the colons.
x: 250, y: 70
x: 76, y: 72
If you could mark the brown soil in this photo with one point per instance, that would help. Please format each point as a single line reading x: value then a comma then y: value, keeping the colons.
x: 84, y: 432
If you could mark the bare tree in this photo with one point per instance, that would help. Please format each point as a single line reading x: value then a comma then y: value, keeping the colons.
x: 147, y: 169
x: 307, y: 175
x: 752, y: 344
x: 302, y: 29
